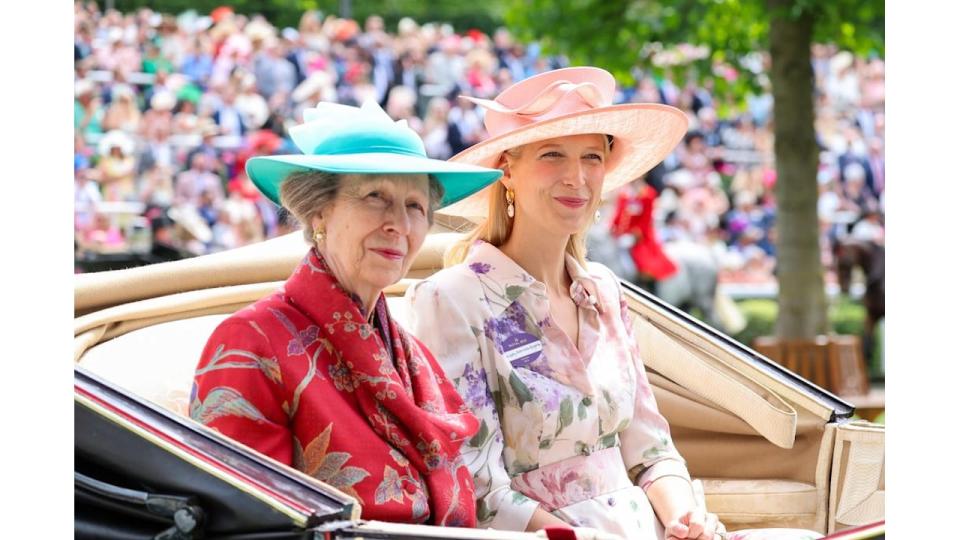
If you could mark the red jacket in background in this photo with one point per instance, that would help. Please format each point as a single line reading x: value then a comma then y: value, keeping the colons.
x: 634, y: 215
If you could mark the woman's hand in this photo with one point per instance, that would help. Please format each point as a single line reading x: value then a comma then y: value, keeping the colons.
x: 695, y: 525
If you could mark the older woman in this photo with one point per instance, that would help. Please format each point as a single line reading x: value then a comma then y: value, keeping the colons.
x: 538, y: 341
x: 318, y: 375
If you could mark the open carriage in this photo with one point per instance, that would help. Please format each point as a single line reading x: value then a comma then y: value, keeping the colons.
x: 769, y: 448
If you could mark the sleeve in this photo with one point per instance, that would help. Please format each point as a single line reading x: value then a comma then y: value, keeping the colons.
x: 238, y: 391
x: 647, y: 449
x: 439, y: 322
x: 618, y: 225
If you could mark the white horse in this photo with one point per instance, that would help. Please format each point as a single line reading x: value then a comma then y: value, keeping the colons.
x: 695, y: 283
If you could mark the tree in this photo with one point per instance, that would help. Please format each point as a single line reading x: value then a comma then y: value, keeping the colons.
x: 621, y: 35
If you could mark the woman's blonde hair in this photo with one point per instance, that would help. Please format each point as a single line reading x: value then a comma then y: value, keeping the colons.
x: 496, y: 228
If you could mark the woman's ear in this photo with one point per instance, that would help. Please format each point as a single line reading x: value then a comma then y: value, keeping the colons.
x: 317, y: 221
x: 504, y: 165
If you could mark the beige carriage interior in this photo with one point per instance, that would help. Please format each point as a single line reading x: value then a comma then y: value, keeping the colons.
x: 765, y: 450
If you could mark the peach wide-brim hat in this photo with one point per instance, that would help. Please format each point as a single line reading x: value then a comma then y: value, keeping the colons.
x: 571, y: 101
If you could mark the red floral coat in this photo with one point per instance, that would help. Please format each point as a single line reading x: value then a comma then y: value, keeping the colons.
x: 277, y: 377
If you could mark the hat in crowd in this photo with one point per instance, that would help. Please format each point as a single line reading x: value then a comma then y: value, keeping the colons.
x: 207, y: 127
x: 163, y: 100
x: 260, y: 30
x: 572, y: 101
x: 220, y: 13
x: 318, y: 81
x: 122, y: 91
x: 115, y: 138
x: 82, y: 88
x: 341, y: 139
x: 189, y: 219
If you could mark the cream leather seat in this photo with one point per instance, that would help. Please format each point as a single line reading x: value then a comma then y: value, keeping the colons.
x: 157, y: 363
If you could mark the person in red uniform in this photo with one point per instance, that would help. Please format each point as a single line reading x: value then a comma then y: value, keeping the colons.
x: 633, y: 216
x: 318, y: 375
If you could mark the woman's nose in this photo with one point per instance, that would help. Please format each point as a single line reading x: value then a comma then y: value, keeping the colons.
x: 397, y: 220
x: 575, y: 174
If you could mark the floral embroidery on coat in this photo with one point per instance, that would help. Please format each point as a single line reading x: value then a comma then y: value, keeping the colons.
x: 303, y: 377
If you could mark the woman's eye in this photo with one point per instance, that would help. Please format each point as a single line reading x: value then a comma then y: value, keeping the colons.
x: 418, y: 207
x: 597, y: 157
x: 552, y: 154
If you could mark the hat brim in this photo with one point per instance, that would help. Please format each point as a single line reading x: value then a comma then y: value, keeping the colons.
x: 644, y: 134
x: 459, y: 180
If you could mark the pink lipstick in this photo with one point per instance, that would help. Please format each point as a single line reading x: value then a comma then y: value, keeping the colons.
x: 572, y: 202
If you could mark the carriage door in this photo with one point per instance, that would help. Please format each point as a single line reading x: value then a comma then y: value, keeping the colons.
x: 857, y: 480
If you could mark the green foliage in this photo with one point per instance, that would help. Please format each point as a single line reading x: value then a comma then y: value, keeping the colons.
x: 623, y: 35
x: 846, y: 318
x: 761, y: 316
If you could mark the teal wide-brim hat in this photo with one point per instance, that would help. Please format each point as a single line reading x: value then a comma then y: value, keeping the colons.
x: 341, y: 139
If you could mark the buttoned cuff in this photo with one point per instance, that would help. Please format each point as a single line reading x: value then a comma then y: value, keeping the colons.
x: 666, y: 467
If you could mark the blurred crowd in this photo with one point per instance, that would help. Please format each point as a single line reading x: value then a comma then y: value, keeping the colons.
x: 168, y: 108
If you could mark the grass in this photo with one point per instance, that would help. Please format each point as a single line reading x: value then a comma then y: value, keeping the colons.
x: 846, y: 318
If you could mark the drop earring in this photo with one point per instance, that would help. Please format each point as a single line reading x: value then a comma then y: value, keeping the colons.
x: 510, y: 209
x: 596, y: 217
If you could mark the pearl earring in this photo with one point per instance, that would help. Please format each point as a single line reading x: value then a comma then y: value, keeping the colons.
x: 510, y: 209
x: 318, y: 236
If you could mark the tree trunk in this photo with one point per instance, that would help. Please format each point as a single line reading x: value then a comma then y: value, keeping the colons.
x: 803, y: 309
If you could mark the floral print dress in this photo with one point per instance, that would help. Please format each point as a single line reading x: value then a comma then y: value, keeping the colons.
x: 570, y: 427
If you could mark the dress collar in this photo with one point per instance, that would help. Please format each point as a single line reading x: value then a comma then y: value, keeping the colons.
x: 487, y: 261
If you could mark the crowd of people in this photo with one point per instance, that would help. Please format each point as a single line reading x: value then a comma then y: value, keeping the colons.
x: 168, y: 109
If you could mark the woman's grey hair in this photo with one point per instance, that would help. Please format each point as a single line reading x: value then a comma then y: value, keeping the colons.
x: 304, y: 193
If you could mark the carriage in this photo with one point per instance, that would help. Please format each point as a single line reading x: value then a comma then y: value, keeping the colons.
x: 767, y: 447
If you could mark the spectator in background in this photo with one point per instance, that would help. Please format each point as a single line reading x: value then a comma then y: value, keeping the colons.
x: 633, y: 218
x: 197, y: 62
x: 191, y: 185
x: 157, y: 121
x: 208, y: 57
x: 855, y: 188
x: 694, y: 158
x: 869, y: 228
x: 117, y: 167
x: 88, y: 110
x: 401, y: 105
x: 436, y: 133
x: 123, y: 113
x: 228, y: 118
x: 153, y: 61
x: 254, y: 110
x: 876, y: 164
x: 184, y: 117
x: 86, y: 198
x: 409, y: 71
x: 156, y: 186
x: 319, y: 86
x: 274, y: 73
x: 465, y: 126
x: 446, y: 66
x: 479, y: 73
